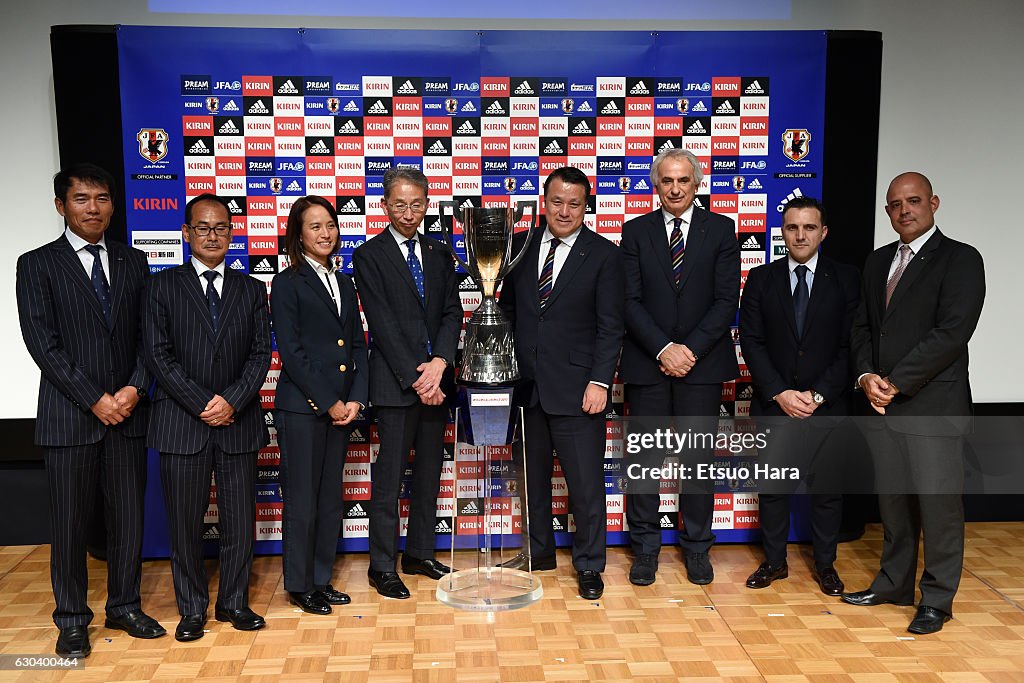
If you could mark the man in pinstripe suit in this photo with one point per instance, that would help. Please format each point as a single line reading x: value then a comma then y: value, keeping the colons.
x: 410, y: 295
x: 207, y: 333
x: 79, y: 301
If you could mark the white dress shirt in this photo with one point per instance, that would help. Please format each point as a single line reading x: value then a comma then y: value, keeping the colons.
x: 327, y: 279
x: 79, y: 245
x: 402, y: 239
x: 915, y: 249
x: 218, y: 283
x: 561, y: 253
x: 812, y: 265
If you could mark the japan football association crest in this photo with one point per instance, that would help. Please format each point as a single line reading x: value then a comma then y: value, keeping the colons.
x: 152, y: 144
x: 796, y: 143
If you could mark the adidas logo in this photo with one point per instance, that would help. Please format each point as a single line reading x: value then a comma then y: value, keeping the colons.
x: 666, y: 522
x: 754, y: 89
x: 611, y: 108
x: 468, y: 204
x: 640, y: 89
x: 553, y: 148
x: 228, y: 127
x: 211, y: 533
x: 233, y: 207
x: 641, y: 185
x: 668, y: 145
x: 746, y: 393
x: 437, y: 148
x: 471, y: 508
x: 288, y: 88
x: 230, y: 106
x: 351, y: 106
x: 754, y: 184
x: 263, y: 267
x: 357, y: 511
x: 467, y: 128
x: 797, y: 192
x: 407, y: 88
x: 585, y: 107
x: 527, y: 185
x: 696, y: 128
x: 524, y: 89
x: 199, y: 148
x: 698, y: 203
x: 725, y: 108
x: 469, y: 106
x: 349, y: 207
x: 320, y: 148
x: 582, y: 129
x: 751, y: 243
x: 700, y: 106
x: 377, y: 108
x: 258, y: 108
x: 495, y: 109
x: 722, y: 411
x: 443, y: 527
x: 294, y: 186
x: 349, y: 127
x: 236, y: 265
x: 556, y: 524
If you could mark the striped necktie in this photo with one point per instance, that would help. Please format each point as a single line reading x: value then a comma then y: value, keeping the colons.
x: 676, y: 245
x: 547, y: 273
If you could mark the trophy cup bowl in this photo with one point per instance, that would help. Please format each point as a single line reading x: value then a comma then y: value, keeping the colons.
x: 488, y: 356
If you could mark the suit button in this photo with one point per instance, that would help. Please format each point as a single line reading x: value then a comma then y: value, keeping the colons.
x: 541, y: 318
x: 342, y: 368
x: 341, y: 342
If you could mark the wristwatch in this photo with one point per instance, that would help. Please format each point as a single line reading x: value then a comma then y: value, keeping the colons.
x: 818, y: 398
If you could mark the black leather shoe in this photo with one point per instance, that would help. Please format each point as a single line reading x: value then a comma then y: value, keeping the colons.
x: 537, y: 564
x: 590, y: 583
x: 644, y: 569
x: 869, y: 599
x: 310, y: 601
x: 829, y: 582
x: 333, y: 597
x: 928, y: 620
x: 137, y: 624
x: 698, y: 568
x: 73, y: 642
x: 431, y: 568
x: 243, y: 619
x: 190, y: 628
x: 388, y: 584
x: 766, y: 573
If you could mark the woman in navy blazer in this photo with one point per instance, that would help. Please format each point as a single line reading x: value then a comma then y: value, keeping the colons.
x: 322, y: 388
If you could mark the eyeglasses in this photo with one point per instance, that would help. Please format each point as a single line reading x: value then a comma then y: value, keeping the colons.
x: 204, y: 230
x: 402, y: 207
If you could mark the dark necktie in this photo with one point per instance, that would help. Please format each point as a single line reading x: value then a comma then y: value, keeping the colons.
x: 414, y: 267
x: 801, y: 295
x: 212, y: 298
x: 99, y: 281
x: 905, y: 255
x: 676, y: 246
x: 547, y: 273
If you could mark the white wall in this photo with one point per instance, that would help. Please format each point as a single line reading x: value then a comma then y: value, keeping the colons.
x: 952, y: 99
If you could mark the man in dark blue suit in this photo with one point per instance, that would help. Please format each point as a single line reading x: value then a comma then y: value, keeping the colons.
x: 920, y: 303
x: 565, y: 302
x: 207, y: 334
x: 79, y: 301
x: 682, y: 290
x: 409, y: 290
x: 795, y: 330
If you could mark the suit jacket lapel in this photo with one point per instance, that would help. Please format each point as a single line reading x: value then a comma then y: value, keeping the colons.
x: 312, y: 280
x: 117, y: 278
x: 824, y: 280
x: 229, y: 296
x: 195, y: 294
x: 531, y: 265
x: 917, y: 265
x: 660, y: 250
x: 73, y: 265
x: 577, y: 255
x: 431, y: 268
x: 691, y: 248
x: 397, y: 255
x: 780, y: 284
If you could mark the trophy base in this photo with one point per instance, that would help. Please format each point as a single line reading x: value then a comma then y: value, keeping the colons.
x: 489, y: 589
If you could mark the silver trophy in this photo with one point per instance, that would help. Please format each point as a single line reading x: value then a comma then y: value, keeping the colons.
x: 489, y: 354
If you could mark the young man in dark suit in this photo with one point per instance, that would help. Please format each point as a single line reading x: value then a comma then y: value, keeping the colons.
x: 409, y: 290
x: 921, y: 300
x: 207, y: 334
x: 682, y: 291
x: 79, y: 301
x: 565, y: 301
x: 795, y: 331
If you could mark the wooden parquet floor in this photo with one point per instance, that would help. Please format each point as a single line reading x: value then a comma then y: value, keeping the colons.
x: 670, y: 631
